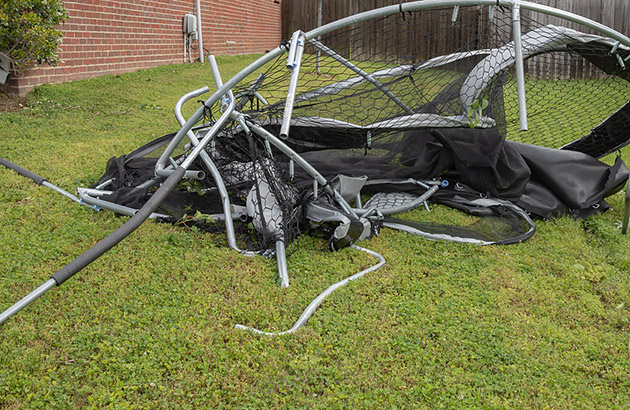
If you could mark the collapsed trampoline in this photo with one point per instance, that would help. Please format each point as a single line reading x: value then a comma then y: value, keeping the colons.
x: 375, y: 115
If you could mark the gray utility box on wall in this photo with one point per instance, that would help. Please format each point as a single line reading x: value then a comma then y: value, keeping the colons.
x: 189, y: 24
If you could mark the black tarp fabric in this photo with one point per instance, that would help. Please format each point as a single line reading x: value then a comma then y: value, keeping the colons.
x: 565, y: 181
x: 546, y: 182
x: 578, y: 179
x: 484, y: 162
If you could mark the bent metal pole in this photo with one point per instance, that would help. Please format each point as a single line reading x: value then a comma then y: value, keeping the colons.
x: 101, y: 247
x: 42, y: 181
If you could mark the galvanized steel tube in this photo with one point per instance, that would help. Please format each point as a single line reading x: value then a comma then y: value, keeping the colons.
x: 363, y: 74
x: 27, y: 300
x: 293, y: 82
x: 281, y: 259
x: 520, y: 69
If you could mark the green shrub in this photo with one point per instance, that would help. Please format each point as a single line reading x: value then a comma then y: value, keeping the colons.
x: 29, y: 33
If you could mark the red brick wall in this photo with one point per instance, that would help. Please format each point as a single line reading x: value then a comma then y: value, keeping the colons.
x: 111, y: 37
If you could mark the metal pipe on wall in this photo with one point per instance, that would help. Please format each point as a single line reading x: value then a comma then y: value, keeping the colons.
x: 199, y: 30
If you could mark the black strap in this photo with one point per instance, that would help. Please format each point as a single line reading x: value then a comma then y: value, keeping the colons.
x: 402, y: 12
x: 207, y: 112
x: 612, y: 174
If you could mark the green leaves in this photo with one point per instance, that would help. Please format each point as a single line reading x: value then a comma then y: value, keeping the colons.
x: 475, y: 111
x: 29, y: 34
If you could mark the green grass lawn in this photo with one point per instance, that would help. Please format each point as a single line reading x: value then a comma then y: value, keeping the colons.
x: 543, y: 324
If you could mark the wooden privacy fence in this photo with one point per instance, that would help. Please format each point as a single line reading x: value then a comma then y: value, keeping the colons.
x: 302, y: 14
x: 369, y: 41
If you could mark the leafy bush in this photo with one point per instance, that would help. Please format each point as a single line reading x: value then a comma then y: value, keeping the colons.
x: 28, y: 32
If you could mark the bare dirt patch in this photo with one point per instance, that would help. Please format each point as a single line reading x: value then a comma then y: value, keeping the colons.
x: 11, y: 102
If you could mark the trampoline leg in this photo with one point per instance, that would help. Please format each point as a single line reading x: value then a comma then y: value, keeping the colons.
x: 626, y: 213
x: 281, y: 258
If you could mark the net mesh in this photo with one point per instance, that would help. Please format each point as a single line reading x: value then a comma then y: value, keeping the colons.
x: 265, y: 205
x: 270, y: 202
x: 424, y: 70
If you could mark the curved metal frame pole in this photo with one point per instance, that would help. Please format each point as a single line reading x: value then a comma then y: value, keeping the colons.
x: 428, y: 4
x: 225, y: 199
x: 198, y: 114
x: 384, y: 11
x: 310, y: 309
x: 183, y: 99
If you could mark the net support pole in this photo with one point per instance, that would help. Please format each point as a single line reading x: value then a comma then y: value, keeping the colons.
x: 294, y: 63
x: 363, y: 74
x: 520, y: 69
x: 302, y: 163
x: 319, y: 24
x: 214, y: 68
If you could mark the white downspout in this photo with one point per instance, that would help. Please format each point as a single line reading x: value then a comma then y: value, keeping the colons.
x: 200, y: 40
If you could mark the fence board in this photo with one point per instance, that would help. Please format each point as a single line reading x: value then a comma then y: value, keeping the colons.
x: 302, y: 14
